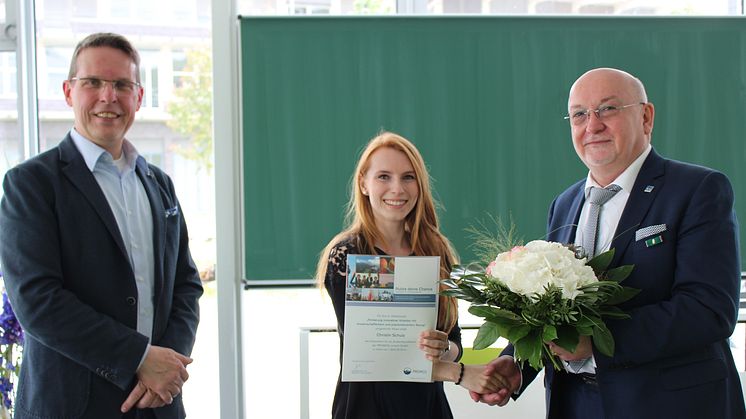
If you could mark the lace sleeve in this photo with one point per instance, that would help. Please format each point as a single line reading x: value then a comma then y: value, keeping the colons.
x: 337, y: 265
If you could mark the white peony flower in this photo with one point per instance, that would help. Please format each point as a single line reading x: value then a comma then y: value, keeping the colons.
x: 529, y: 269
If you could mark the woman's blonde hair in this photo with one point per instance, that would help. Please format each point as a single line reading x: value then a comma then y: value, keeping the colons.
x: 421, y: 224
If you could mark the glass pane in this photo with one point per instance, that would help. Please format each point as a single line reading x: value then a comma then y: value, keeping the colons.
x: 10, y: 138
x: 54, y: 9
x: 85, y: 8
x: 309, y: 7
x: 57, y: 61
x: 149, y: 61
x: 617, y: 7
x: 120, y: 9
x: 599, y: 7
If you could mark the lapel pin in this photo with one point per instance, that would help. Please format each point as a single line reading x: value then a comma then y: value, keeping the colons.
x: 648, y: 188
x: 654, y: 241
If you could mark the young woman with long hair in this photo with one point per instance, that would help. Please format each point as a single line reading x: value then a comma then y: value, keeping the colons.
x: 392, y: 212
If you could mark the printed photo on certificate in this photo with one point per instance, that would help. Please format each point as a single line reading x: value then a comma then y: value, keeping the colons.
x: 389, y: 301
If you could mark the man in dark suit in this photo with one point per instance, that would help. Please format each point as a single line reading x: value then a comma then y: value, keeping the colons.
x: 676, y: 224
x: 95, y: 256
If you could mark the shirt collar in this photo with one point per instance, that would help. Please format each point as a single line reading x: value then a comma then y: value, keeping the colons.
x: 626, y: 180
x: 92, y: 152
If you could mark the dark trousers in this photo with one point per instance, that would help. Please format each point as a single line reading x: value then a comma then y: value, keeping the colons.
x: 575, y: 396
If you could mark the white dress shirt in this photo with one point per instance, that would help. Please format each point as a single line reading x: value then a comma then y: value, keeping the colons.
x: 130, y: 205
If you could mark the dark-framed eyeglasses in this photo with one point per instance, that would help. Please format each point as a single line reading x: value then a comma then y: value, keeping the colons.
x: 122, y: 87
x: 580, y: 116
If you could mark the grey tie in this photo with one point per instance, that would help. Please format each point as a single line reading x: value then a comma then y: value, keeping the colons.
x: 597, y: 197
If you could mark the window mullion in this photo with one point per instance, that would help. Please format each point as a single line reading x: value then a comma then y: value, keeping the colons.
x: 28, y: 103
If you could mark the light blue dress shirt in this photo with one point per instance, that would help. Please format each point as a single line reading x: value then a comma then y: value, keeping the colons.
x: 129, y: 202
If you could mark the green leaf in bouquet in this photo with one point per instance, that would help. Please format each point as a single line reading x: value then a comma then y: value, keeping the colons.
x: 529, y: 348
x: 474, y: 278
x: 603, y: 340
x: 584, y: 326
x: 465, y: 292
x: 458, y: 293
x: 449, y: 283
x: 613, y: 312
x: 567, y: 337
x: 452, y: 292
x: 622, y: 295
x: 487, y: 335
x: 601, y: 261
x: 549, y: 333
x: 618, y: 274
x: 493, y: 314
x: 513, y: 332
x: 589, y: 297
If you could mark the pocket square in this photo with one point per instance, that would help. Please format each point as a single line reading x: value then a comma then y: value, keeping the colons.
x: 170, y: 212
x: 649, y: 231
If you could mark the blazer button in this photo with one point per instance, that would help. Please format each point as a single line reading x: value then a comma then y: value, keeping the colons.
x: 131, y: 301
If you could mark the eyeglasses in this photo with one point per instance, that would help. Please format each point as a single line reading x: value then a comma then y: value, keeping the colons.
x: 121, y: 87
x: 580, y: 117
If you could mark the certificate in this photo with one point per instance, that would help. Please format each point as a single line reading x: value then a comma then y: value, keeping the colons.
x: 389, y: 301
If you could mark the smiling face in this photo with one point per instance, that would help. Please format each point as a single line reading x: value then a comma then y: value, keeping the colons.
x: 608, y: 147
x: 390, y: 183
x: 103, y: 115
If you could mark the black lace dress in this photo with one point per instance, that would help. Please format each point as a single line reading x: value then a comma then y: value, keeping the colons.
x: 378, y: 400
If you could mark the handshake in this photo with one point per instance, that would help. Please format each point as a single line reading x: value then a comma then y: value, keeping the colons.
x: 491, y: 383
x: 159, y: 379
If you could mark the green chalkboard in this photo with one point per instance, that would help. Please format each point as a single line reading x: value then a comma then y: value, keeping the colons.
x: 482, y: 98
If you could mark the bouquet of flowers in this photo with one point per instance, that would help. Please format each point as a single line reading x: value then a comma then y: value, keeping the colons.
x: 540, y: 292
x: 11, y: 343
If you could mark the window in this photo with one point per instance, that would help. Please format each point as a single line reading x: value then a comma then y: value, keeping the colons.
x: 184, y: 10
x: 462, y: 6
x: 146, y: 9
x: 149, y: 78
x: 307, y: 7
x: 597, y: 9
x: 553, y: 7
x: 85, y: 8
x: 56, y: 9
x: 179, y: 67
x: 8, y: 80
x: 54, y: 66
x: 508, y: 7
x: 121, y: 9
x: 10, y: 144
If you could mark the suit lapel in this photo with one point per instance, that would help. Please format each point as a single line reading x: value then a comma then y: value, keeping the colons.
x: 573, y: 216
x: 76, y: 171
x: 564, y: 221
x: 647, y: 186
x: 158, y: 211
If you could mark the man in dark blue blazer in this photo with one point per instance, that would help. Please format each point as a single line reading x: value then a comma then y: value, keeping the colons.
x: 676, y: 224
x: 95, y: 255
